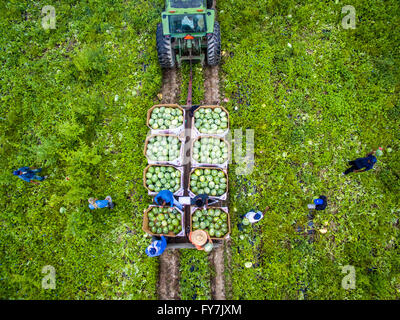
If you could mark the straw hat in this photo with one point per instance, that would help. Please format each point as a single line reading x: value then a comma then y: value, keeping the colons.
x: 199, y: 237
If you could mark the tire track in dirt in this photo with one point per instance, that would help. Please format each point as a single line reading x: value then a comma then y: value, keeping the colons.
x: 228, y: 264
x: 217, y: 262
x: 211, y: 85
x: 168, y: 283
x: 170, y: 86
x: 211, y: 77
x: 217, y: 256
x: 169, y: 275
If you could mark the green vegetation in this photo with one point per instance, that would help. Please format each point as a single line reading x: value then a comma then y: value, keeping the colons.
x: 74, y: 101
x: 195, y: 275
x: 316, y: 95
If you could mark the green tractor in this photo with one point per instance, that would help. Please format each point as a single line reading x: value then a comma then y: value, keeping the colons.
x: 188, y: 32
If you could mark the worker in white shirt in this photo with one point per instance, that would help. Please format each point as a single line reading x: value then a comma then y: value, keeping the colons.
x: 251, y: 217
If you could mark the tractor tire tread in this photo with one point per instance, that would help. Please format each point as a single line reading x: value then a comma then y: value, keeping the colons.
x: 214, y: 46
x: 166, y: 56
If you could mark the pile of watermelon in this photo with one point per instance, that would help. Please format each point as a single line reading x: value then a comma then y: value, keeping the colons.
x: 210, y: 150
x: 163, y: 178
x: 214, y: 221
x: 163, y: 118
x: 164, y: 220
x: 163, y: 148
x: 208, y: 180
x: 211, y: 121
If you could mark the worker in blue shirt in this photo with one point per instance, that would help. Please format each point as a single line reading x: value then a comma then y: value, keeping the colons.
x: 166, y: 198
x: 362, y: 164
x: 29, y: 174
x: 319, y: 204
x: 157, y: 247
x: 98, y: 204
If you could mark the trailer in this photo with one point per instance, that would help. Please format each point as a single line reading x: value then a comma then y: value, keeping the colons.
x: 188, y: 32
x: 183, y: 242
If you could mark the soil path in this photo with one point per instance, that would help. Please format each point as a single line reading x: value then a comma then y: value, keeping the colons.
x: 228, y: 264
x: 211, y: 86
x: 170, y: 86
x: 168, y: 281
x: 217, y: 263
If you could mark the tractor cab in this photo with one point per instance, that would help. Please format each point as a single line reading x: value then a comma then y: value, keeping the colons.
x: 188, y: 32
x: 187, y: 24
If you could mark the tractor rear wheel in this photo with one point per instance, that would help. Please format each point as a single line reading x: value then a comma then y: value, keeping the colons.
x: 166, y: 55
x: 210, y: 4
x: 214, y: 46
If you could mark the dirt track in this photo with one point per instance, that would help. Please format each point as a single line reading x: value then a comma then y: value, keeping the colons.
x: 211, y: 85
x: 171, y: 86
x: 168, y: 282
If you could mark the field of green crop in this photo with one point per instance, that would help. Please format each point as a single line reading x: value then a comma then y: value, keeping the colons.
x: 73, y: 100
x: 317, y: 95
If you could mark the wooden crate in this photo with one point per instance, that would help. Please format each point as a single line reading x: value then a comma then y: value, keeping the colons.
x: 222, y: 165
x: 177, y: 162
x: 176, y: 131
x: 222, y: 197
x: 170, y: 234
x: 179, y: 192
x: 198, y: 133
